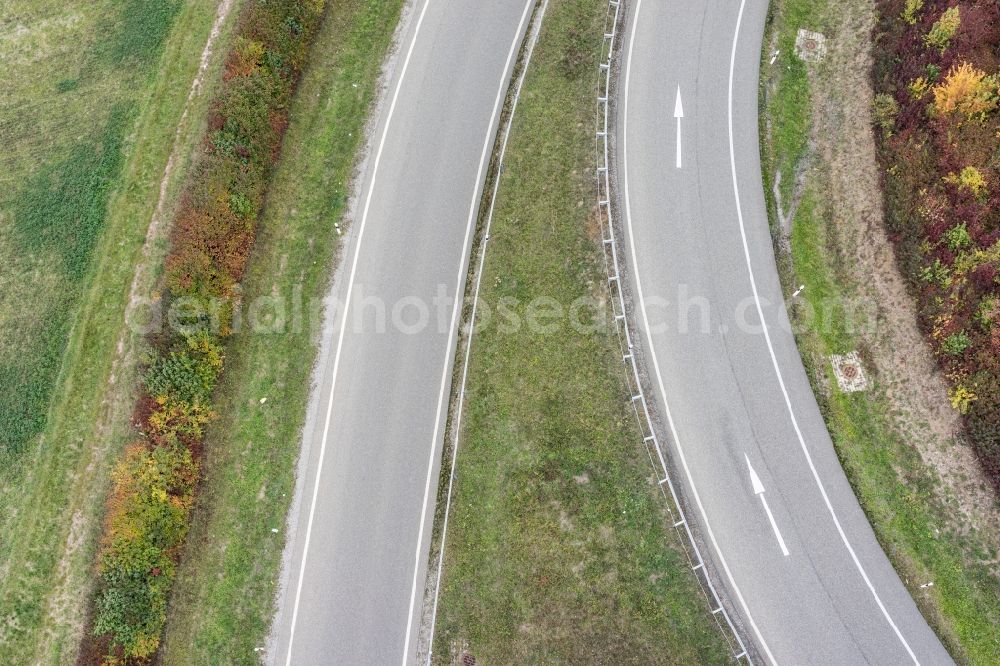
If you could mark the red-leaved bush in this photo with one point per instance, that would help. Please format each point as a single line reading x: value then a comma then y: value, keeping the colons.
x: 938, y: 71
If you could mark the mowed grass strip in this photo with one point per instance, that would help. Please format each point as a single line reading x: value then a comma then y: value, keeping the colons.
x: 558, y: 549
x: 901, y: 495
x: 53, y: 485
x: 224, y: 595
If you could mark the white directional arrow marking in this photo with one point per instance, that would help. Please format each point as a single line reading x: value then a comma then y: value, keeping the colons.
x: 758, y: 490
x: 678, y: 114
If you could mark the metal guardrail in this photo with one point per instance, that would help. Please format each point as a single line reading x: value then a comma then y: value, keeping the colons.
x: 651, y: 442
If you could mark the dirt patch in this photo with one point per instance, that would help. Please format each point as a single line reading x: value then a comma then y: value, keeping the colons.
x: 844, y: 141
x: 595, y: 225
x: 23, y: 45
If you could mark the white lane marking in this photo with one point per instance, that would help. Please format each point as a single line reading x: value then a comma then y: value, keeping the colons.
x: 343, y: 329
x: 656, y: 364
x: 774, y: 359
x: 459, y: 285
x: 758, y: 490
x: 678, y: 114
x: 457, y: 429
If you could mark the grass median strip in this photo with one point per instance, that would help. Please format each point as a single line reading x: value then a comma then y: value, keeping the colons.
x: 897, y: 457
x: 224, y: 596
x: 558, y: 548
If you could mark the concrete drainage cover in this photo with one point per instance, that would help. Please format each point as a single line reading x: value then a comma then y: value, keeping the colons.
x: 849, y: 371
x: 810, y: 46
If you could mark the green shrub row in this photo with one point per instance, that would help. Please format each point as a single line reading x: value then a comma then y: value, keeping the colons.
x: 153, y: 486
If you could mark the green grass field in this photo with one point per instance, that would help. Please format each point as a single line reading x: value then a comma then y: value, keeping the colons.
x: 224, y: 594
x: 920, y: 532
x: 93, y: 94
x: 558, y: 549
x: 73, y: 76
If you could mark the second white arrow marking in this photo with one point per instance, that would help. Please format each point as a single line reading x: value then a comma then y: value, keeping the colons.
x: 678, y: 114
x: 758, y: 490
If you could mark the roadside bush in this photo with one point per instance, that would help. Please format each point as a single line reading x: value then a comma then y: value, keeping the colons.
x: 969, y: 179
x: 961, y: 399
x: 176, y: 421
x: 911, y: 10
x: 179, y: 376
x: 944, y: 29
x: 147, y: 521
x: 214, y: 231
x: 189, y: 373
x: 242, y: 205
x: 984, y: 420
x: 212, y: 236
x: 958, y: 238
x: 966, y: 90
x: 885, y: 109
x: 956, y: 343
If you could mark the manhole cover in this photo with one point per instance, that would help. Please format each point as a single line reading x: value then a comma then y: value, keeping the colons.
x: 849, y: 372
x: 810, y: 46
x: 468, y: 660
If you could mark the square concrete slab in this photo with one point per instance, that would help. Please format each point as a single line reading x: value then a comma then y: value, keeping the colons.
x: 849, y: 371
x: 810, y: 46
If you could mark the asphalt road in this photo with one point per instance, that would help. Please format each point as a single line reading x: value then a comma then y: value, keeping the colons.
x: 355, y: 564
x: 733, y: 393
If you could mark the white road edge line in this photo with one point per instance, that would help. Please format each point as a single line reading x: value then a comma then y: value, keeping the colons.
x: 457, y: 429
x: 652, y: 352
x: 459, y: 285
x: 343, y: 329
x: 774, y: 359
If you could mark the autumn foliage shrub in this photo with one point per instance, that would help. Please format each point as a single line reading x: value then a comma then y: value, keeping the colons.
x: 214, y: 232
x: 146, y: 524
x: 966, y: 90
x: 153, y: 485
x: 939, y: 60
x: 187, y: 374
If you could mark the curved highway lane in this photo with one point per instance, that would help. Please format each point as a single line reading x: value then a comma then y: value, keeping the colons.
x: 359, y: 530
x: 783, y: 529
